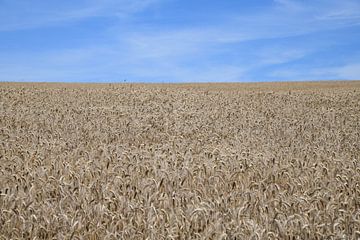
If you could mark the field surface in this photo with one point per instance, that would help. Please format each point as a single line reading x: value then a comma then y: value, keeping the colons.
x: 182, y: 161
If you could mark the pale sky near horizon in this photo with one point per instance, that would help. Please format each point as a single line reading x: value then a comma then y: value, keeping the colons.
x: 179, y: 40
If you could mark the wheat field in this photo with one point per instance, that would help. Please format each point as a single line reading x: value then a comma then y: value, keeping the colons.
x: 180, y: 161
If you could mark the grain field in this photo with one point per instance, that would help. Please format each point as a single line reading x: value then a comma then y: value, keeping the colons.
x: 181, y: 161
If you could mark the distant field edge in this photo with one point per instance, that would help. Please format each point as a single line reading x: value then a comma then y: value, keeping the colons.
x: 279, y: 85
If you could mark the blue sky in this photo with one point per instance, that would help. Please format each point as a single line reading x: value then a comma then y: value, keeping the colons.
x: 179, y: 40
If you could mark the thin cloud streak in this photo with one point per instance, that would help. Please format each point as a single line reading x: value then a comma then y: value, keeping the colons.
x: 350, y: 71
x: 20, y: 14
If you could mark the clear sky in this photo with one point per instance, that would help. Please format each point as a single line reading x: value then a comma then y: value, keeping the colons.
x: 179, y: 40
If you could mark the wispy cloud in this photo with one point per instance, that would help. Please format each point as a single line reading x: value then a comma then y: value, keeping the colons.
x: 280, y: 55
x: 22, y: 14
x: 349, y: 71
x: 169, y: 72
x: 341, y: 11
x: 292, y: 18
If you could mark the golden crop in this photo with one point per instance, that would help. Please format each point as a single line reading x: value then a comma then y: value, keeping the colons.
x: 192, y: 161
